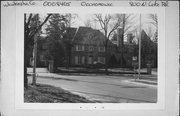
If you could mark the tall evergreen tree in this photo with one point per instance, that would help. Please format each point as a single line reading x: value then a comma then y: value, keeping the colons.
x: 60, y: 38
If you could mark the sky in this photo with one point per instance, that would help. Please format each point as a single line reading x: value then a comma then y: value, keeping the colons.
x: 145, y: 22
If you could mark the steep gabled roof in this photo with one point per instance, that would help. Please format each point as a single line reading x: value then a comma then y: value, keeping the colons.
x: 86, y: 35
x: 70, y: 33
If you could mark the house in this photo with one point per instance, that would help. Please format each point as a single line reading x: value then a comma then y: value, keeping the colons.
x: 41, y: 59
x: 89, y: 47
x: 131, y: 47
x: 85, y: 46
x: 82, y: 46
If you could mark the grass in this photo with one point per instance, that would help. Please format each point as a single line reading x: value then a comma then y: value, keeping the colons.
x: 49, y: 94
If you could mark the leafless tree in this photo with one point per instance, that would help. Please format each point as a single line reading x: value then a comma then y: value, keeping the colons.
x: 108, y: 23
x: 70, y: 19
x: 154, y: 19
x: 126, y: 25
x: 88, y: 23
x: 150, y: 32
x: 32, y: 26
x: 154, y: 22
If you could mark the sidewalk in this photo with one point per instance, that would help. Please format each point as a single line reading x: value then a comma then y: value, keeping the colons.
x: 147, y: 80
x: 142, y: 82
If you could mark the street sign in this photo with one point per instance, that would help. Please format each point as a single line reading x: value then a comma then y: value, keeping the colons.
x: 134, y: 58
x: 135, y: 64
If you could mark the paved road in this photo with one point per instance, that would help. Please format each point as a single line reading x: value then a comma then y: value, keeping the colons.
x: 107, y: 89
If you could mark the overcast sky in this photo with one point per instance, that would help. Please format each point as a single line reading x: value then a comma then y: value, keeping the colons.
x: 145, y: 22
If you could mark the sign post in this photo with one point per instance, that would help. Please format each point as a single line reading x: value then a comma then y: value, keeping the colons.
x: 139, y: 60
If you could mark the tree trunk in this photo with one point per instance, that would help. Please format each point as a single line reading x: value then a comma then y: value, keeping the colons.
x: 66, y: 56
x: 69, y: 55
x: 25, y: 69
x: 106, y: 58
x: 34, y: 63
x: 122, y: 43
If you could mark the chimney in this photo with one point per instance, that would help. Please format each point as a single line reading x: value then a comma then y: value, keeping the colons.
x: 129, y: 38
x: 120, y: 37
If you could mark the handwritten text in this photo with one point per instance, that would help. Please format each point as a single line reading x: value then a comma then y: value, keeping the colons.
x: 151, y: 3
x: 19, y: 3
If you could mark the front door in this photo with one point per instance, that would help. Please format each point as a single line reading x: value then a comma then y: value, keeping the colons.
x: 90, y: 60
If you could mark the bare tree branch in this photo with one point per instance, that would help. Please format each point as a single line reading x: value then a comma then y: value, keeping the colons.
x: 87, y: 23
x: 44, y: 21
x: 38, y: 28
x: 154, y: 19
x: 29, y: 19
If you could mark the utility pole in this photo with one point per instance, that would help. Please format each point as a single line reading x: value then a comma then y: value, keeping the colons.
x: 35, y: 52
x: 139, y: 61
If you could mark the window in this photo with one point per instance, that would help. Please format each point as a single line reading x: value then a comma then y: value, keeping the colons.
x: 83, y: 59
x: 41, y: 58
x: 91, y: 48
x: 101, y: 49
x: 90, y: 60
x: 79, y: 48
x: 101, y: 60
x: 76, y: 59
x: 79, y: 59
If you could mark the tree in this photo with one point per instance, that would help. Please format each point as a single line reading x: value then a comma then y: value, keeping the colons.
x: 150, y: 32
x: 108, y: 23
x: 126, y: 25
x: 68, y: 36
x: 59, y: 34
x: 54, y: 31
x: 154, y: 22
x: 87, y: 23
x: 148, y: 49
x: 32, y: 26
x: 113, y: 61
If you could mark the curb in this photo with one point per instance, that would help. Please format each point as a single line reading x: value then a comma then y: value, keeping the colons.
x: 149, y: 84
x: 146, y: 82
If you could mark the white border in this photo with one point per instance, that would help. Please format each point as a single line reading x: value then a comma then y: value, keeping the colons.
x: 19, y: 89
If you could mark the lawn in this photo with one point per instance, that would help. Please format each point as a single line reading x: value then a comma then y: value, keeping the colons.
x: 49, y: 94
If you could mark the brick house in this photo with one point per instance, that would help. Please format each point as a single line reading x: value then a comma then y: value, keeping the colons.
x: 41, y: 60
x: 88, y: 47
